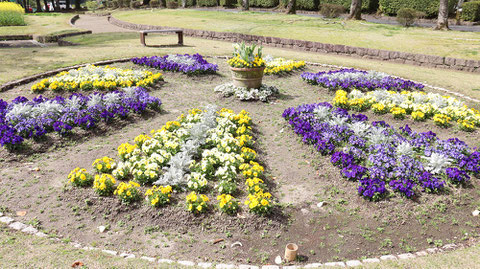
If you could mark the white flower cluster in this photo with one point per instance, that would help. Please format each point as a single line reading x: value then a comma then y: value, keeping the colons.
x: 92, y: 73
x: 264, y: 93
x: 181, y: 59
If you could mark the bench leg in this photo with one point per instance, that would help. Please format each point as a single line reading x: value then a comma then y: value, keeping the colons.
x: 142, y: 39
x: 180, y: 38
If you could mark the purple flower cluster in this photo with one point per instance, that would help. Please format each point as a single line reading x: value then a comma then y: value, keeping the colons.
x: 348, y: 79
x: 381, y: 158
x: 23, y: 119
x: 188, y: 64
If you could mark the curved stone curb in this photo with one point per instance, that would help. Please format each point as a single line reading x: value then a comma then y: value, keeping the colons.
x: 28, y: 79
x: 304, y: 45
x: 28, y: 229
x: 74, y: 19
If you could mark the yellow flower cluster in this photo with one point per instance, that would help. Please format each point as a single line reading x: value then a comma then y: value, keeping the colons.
x: 281, y: 66
x: 140, y: 139
x: 197, y: 203
x: 99, y: 78
x: 80, y: 177
x: 238, y: 62
x: 104, y: 165
x: 420, y: 105
x: 398, y: 112
x: 227, y: 204
x: 259, y: 202
x: 159, y: 195
x: 125, y: 150
x: 442, y: 120
x: 104, y: 184
x: 248, y: 154
x: 11, y: 7
x: 128, y: 192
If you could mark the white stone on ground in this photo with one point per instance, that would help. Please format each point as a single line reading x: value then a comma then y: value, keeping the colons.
x: 406, y: 256
x: 371, y: 260
x: 432, y: 250
x: 335, y: 264
x: 225, y: 266
x: 127, y: 255
x: 111, y: 252
x: 150, y: 259
x: 40, y: 234
x: 30, y: 230
x: 186, y: 263
x: 313, y: 265
x: 270, y: 267
x: 17, y: 225
x: 6, y: 220
x: 421, y: 253
x: 247, y: 266
x: 353, y: 263
x: 165, y: 261
x: 476, y: 213
x: 388, y: 257
x: 278, y: 260
x: 205, y: 264
x: 101, y: 228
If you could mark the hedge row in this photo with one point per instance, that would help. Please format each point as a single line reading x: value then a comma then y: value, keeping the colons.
x: 429, y: 7
x: 207, y: 3
x: 367, y: 5
x: 471, y: 11
x: 264, y: 3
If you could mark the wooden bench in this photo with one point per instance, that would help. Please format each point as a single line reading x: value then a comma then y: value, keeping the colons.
x: 146, y: 32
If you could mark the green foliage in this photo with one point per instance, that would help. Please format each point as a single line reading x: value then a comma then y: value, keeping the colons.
x: 429, y: 7
x: 92, y: 5
x: 264, y: 3
x: 471, y: 11
x: 207, y: 3
x: 228, y: 3
x: 154, y: 3
x: 406, y: 16
x: 135, y: 4
x: 172, y: 4
x: 188, y: 3
x: 367, y: 5
x: 11, y: 14
x: 331, y: 10
x: 247, y: 53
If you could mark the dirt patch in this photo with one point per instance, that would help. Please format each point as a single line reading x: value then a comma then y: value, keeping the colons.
x: 345, y: 227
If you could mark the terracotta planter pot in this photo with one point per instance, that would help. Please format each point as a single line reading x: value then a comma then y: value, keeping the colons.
x: 291, y: 252
x: 247, y: 77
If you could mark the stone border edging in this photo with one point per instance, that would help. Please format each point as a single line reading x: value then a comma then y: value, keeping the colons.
x: 29, y: 229
x: 376, y: 54
x: 74, y: 19
x: 31, y: 78
x: 15, y: 37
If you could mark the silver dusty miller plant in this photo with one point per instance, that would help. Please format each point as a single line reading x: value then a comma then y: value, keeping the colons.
x: 264, y: 93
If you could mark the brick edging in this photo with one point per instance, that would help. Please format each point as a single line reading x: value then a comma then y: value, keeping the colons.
x: 376, y: 54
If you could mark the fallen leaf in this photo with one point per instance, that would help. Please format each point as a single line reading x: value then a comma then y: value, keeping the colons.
x: 77, y: 264
x: 218, y: 241
x: 21, y: 213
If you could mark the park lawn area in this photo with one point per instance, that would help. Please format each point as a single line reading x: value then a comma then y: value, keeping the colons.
x: 20, y: 62
x: 42, y: 24
x: 361, y: 34
x: 17, y: 249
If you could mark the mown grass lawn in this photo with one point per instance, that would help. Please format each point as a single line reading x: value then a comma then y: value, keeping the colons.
x: 42, y: 24
x: 361, y: 34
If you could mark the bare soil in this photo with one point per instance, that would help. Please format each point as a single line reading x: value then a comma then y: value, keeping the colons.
x: 345, y: 227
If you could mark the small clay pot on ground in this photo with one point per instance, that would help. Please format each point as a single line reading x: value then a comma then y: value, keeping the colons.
x: 247, y: 77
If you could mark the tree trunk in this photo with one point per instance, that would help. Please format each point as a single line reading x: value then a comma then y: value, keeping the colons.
x: 39, y: 6
x: 355, y: 10
x: 53, y: 5
x: 67, y: 4
x: 442, y: 21
x: 245, y: 5
x: 292, y: 7
x: 184, y: 3
x: 77, y: 4
x: 57, y: 5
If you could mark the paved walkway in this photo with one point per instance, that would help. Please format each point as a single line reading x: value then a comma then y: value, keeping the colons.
x: 21, y: 44
x: 98, y: 24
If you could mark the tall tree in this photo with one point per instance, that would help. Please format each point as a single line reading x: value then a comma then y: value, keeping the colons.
x: 39, y: 6
x: 46, y: 5
x: 442, y: 21
x: 77, y: 4
x: 292, y: 7
x: 355, y: 10
x: 245, y: 5
x: 67, y: 4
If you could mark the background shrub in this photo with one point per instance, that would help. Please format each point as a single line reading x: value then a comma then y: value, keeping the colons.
x: 207, y: 3
x: 331, y: 10
x: 172, y: 4
x: 11, y: 14
x: 228, y: 3
x: 429, y: 7
x: 135, y: 4
x: 265, y: 3
x: 471, y: 11
x: 367, y: 5
x: 406, y: 16
x: 188, y: 3
x: 154, y: 3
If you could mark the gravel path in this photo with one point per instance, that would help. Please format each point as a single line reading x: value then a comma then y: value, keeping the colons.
x: 98, y: 24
